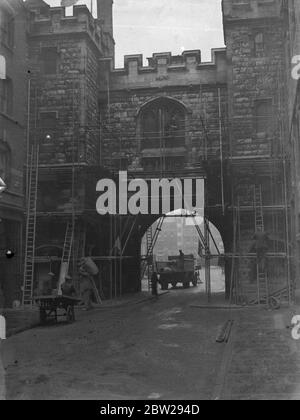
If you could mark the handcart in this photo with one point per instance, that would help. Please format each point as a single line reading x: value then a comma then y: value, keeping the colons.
x: 51, y: 306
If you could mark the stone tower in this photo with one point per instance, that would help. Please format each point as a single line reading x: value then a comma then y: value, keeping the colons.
x: 64, y: 56
x: 254, y: 37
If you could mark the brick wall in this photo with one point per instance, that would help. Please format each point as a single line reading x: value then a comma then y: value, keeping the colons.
x: 254, y: 77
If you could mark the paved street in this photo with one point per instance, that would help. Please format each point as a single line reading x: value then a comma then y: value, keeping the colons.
x: 161, y: 349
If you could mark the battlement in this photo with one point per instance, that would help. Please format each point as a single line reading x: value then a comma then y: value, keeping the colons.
x: 251, y: 9
x: 187, y: 59
x: 46, y: 20
x: 168, y: 69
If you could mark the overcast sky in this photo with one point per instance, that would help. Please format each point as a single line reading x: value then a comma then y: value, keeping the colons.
x: 147, y: 26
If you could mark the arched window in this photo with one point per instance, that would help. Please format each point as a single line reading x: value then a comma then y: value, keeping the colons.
x: 163, y: 125
x: 6, y: 96
x: 7, y: 28
x: 259, y: 43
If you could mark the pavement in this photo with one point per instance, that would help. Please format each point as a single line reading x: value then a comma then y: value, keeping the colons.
x: 19, y: 320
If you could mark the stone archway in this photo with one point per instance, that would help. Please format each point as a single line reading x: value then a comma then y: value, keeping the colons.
x: 221, y: 227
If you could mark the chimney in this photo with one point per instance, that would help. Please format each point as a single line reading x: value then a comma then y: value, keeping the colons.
x: 105, y: 15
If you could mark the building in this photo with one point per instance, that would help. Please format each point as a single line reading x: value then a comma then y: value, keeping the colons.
x: 178, y: 117
x: 13, y: 110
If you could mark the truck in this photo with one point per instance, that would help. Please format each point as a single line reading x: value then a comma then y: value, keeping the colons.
x: 178, y: 269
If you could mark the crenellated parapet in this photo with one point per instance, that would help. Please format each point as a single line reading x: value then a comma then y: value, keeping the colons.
x: 167, y: 69
x: 47, y: 21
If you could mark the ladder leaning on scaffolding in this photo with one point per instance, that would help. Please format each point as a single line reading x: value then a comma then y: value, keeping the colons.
x: 149, y: 236
x: 66, y: 255
x: 29, y: 262
x: 151, y: 242
x: 262, y: 278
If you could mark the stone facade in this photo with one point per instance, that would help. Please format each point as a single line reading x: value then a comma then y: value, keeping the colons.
x: 183, y: 79
x: 255, y: 51
x: 64, y: 100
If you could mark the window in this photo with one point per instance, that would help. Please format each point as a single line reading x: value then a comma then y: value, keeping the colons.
x: 50, y: 60
x: 48, y: 119
x: 259, y: 43
x: 5, y: 161
x: 155, y: 164
x: 7, y: 27
x: 263, y: 116
x: 163, y: 125
x: 6, y: 96
x: 292, y: 19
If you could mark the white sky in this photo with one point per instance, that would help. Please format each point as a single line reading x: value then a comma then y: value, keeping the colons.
x: 147, y: 26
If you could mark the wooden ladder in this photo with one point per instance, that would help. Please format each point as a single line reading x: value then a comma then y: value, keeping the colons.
x: 32, y: 188
x: 151, y: 242
x: 66, y: 255
x: 262, y: 278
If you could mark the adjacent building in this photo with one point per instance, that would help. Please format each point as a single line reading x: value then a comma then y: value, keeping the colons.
x: 13, y: 111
